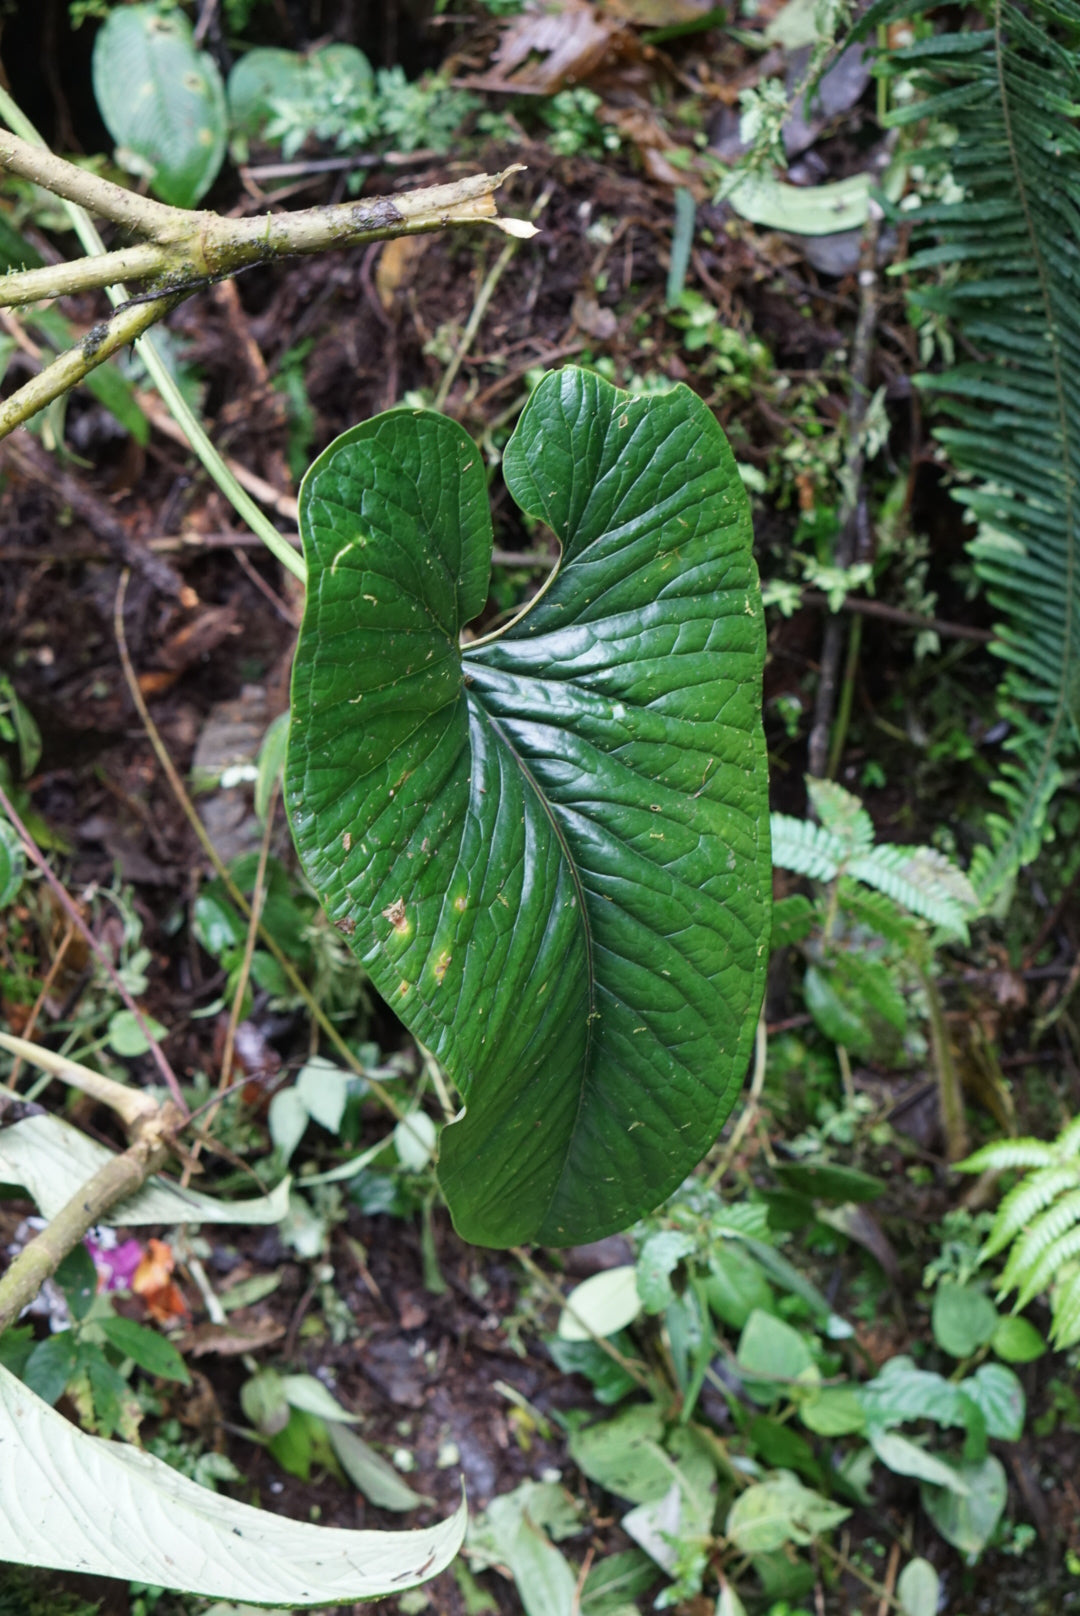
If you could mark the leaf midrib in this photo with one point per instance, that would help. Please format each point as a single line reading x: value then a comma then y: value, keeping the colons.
x: 579, y: 890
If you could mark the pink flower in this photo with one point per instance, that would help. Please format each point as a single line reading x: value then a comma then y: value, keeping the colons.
x: 116, y: 1266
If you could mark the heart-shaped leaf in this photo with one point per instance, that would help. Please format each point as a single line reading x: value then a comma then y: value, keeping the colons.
x: 550, y: 850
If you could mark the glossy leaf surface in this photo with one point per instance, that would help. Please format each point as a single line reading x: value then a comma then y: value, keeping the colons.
x: 550, y: 851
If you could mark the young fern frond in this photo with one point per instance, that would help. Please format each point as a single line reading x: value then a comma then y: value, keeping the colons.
x: 1065, y: 1330
x: 919, y: 879
x: 1049, y: 1265
x: 1024, y: 1202
x: 1039, y: 1220
x: 842, y: 814
x: 1057, y: 1220
x: 1068, y: 1140
x: 805, y: 848
x: 1005, y: 1155
x: 1011, y: 239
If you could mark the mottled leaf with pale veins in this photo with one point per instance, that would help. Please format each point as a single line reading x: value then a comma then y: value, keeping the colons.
x: 550, y: 849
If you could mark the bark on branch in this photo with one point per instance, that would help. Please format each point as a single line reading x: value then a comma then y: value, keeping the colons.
x: 184, y: 250
x: 114, y: 1182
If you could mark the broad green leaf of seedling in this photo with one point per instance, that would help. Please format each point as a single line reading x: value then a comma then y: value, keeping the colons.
x: 549, y: 848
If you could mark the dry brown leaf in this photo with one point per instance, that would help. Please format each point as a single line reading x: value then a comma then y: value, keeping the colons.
x: 397, y: 266
x: 544, y: 49
x: 229, y: 1340
x: 661, y: 13
x: 643, y: 129
x: 592, y: 319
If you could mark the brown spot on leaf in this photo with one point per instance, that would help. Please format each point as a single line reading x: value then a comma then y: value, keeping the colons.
x: 395, y: 914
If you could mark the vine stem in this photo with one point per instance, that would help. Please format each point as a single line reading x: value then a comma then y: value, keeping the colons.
x: 169, y: 769
x: 150, y: 354
x: 130, y: 1104
x: 37, y: 858
x: 186, y: 250
x: 115, y: 1181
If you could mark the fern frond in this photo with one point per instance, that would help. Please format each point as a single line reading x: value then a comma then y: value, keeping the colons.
x: 1067, y: 1143
x: 1065, y: 1323
x: 805, y: 848
x: 1005, y: 1154
x: 921, y: 880
x: 1049, y: 1226
x: 842, y: 814
x: 1024, y: 1202
x: 1053, y: 1259
x: 1009, y: 93
x: 877, y: 913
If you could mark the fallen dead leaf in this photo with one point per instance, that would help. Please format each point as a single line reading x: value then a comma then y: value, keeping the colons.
x: 397, y: 266
x: 229, y: 1340
x: 544, y: 49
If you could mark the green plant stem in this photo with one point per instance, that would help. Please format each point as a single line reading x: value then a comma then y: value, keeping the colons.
x: 33, y: 852
x: 124, y: 327
x: 950, y: 1092
x: 130, y: 1104
x: 117, y: 1179
x: 315, y: 1010
x: 627, y: 1365
x: 847, y: 690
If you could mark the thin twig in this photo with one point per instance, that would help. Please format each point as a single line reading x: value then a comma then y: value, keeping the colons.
x: 258, y: 895
x: 34, y: 854
x: 749, y: 1111
x: 950, y: 1089
x: 39, y: 1002
x: 896, y: 614
x: 851, y: 494
x: 316, y: 1011
x: 479, y: 308
x: 627, y: 1365
x: 891, y: 1569
x: 130, y: 1104
x: 120, y: 1177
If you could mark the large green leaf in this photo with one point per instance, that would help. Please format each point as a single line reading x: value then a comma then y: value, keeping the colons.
x: 550, y: 851
x: 162, y: 100
x: 78, y: 1503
